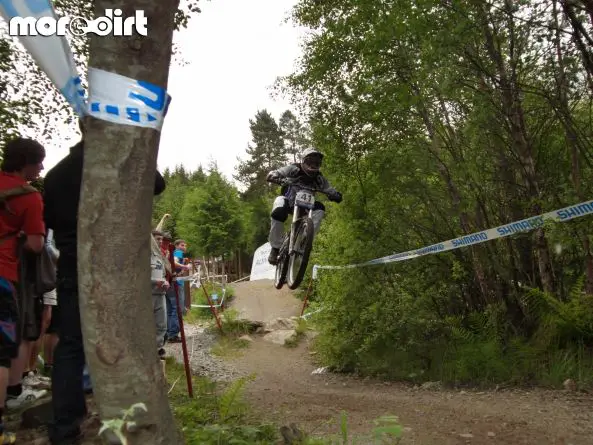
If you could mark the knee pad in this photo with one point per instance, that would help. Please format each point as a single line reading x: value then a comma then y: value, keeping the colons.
x: 280, y: 209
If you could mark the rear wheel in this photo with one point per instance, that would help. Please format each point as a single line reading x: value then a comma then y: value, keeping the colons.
x: 299, y: 258
x: 282, y: 266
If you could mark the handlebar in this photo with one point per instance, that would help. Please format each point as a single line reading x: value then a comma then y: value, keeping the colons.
x: 290, y: 181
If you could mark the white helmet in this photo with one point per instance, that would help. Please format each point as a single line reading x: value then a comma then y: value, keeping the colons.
x: 311, y: 161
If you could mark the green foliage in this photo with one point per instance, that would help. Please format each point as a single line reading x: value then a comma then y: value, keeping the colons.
x: 210, y: 213
x: 256, y: 210
x: 274, y: 144
x: 389, y: 333
x: 219, y: 415
x: 40, y: 110
x: 387, y: 431
x: 233, y: 325
x: 233, y: 328
x: 210, y: 217
x: 267, y: 152
x: 126, y: 423
x: 300, y: 331
x: 294, y: 134
x: 178, y: 182
x: 440, y: 119
x: 198, y: 297
x: 14, y: 111
x: 216, y: 415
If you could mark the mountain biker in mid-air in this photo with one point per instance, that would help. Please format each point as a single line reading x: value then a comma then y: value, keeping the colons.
x: 290, y: 177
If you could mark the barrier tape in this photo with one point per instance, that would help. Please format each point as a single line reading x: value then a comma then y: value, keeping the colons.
x: 51, y: 52
x: 123, y: 100
x: 524, y: 225
x: 112, y: 97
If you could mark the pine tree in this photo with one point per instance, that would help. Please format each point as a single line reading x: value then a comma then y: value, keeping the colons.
x: 267, y: 153
x: 294, y: 134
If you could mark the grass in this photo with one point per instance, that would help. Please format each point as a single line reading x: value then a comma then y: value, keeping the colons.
x: 198, y: 297
x: 300, y: 330
x: 219, y: 415
x: 232, y: 325
x: 230, y: 342
x: 193, y: 317
x: 228, y: 347
x: 216, y: 415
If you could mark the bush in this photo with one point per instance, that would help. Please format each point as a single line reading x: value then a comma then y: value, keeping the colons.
x: 377, y: 323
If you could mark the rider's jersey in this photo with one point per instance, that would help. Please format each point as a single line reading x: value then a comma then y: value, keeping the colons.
x: 296, y: 172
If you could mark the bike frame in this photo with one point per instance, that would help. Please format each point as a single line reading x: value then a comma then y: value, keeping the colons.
x: 298, y: 214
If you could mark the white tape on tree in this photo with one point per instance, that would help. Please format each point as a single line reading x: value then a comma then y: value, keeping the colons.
x: 122, y: 100
x: 525, y: 225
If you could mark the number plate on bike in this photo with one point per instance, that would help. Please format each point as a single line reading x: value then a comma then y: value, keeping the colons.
x: 305, y: 199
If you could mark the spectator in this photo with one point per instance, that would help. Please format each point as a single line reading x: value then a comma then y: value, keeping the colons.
x: 159, y: 288
x: 46, y: 339
x: 30, y: 305
x: 172, y: 321
x: 50, y: 337
x: 62, y: 193
x: 173, y: 327
x: 167, y: 239
x: 182, y: 269
x: 31, y: 376
x: 50, y: 299
x: 22, y: 214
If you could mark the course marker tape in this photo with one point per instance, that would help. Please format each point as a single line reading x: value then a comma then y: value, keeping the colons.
x: 524, y: 225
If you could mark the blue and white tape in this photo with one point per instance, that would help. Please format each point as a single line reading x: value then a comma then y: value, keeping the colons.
x: 525, y: 225
x: 52, y: 53
x: 113, y: 97
x: 122, y: 100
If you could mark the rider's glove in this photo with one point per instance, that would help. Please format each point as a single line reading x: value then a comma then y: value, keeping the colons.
x: 274, y: 177
x: 286, y: 181
x: 335, y: 196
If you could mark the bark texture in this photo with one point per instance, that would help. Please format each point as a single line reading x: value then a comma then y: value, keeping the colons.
x: 113, y: 235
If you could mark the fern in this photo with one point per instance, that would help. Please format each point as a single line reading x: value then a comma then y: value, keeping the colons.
x: 577, y: 291
x: 478, y: 326
x: 230, y: 403
x: 568, y: 320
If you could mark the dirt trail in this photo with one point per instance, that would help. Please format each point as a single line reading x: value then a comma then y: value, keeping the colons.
x: 260, y: 301
x: 286, y: 391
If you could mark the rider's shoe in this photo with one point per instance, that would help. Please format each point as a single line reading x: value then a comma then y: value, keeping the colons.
x: 273, y: 257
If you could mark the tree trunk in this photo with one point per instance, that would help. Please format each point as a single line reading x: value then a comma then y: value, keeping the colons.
x: 512, y: 109
x: 239, y: 265
x: 578, y: 35
x: 563, y: 111
x: 455, y: 197
x: 113, y: 242
x: 206, y: 268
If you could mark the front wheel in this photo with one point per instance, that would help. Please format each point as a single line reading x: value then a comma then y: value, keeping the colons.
x: 299, y: 258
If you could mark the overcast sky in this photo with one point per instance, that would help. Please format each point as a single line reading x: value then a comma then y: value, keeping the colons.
x: 236, y: 49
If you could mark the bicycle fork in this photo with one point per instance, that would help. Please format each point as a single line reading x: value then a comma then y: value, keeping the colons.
x: 293, y: 226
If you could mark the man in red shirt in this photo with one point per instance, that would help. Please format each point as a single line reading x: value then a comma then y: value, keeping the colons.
x: 19, y: 216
